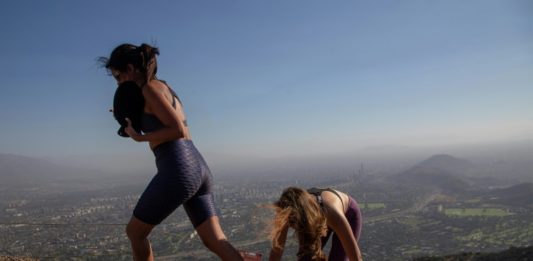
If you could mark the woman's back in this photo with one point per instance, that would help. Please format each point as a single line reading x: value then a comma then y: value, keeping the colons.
x: 331, y: 198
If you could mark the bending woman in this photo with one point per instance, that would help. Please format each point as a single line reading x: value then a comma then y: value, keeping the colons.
x: 183, y: 177
x: 315, y: 214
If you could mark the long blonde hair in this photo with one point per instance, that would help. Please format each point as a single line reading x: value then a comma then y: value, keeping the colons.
x: 299, y: 210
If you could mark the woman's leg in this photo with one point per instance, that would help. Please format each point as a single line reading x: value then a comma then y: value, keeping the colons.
x: 214, y: 239
x: 138, y: 232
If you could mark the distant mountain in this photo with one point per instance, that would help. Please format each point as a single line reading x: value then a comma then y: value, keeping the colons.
x: 443, y: 163
x: 440, y: 171
x: 20, y: 171
x: 518, y: 195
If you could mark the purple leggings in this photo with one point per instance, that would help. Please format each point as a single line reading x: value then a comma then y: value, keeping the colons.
x: 336, y: 253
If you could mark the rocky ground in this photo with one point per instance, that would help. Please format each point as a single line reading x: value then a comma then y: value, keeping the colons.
x: 511, y: 254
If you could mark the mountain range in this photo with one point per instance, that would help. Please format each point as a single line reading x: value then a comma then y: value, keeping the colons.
x: 17, y: 172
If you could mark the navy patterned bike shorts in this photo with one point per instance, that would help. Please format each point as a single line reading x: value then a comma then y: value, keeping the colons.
x: 183, y: 177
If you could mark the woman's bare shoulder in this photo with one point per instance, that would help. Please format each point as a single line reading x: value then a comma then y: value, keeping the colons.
x: 334, y: 200
x: 154, y: 86
x: 155, y: 90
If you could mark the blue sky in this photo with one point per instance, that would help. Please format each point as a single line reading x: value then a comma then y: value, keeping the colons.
x: 272, y: 78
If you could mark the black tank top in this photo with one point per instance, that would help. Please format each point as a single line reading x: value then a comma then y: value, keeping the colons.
x: 317, y: 192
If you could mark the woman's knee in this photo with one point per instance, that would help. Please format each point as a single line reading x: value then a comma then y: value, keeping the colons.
x: 211, y: 234
x: 138, y: 230
x: 130, y: 231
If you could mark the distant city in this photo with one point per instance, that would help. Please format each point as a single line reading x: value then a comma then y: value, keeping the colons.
x: 434, y: 207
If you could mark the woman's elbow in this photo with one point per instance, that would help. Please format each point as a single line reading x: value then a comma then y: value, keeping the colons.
x: 175, y: 133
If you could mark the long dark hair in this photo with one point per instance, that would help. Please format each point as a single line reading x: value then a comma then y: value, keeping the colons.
x: 142, y: 57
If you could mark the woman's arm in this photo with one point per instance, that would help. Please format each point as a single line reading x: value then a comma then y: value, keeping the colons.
x: 164, y: 111
x: 161, y: 135
x: 276, y: 254
x: 338, y: 222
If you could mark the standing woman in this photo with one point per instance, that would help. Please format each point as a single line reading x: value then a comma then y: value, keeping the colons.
x: 183, y: 177
x: 314, y: 215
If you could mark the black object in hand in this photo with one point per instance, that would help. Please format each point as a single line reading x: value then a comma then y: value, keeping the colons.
x: 128, y: 103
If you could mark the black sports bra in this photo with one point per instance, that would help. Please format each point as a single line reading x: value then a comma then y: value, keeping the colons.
x: 317, y: 192
x: 150, y: 122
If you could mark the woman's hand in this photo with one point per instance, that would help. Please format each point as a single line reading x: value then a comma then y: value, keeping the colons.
x: 132, y: 132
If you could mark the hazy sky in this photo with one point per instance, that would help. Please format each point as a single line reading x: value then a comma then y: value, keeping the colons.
x: 272, y: 77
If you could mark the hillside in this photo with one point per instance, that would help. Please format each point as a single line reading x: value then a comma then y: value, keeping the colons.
x: 517, y: 195
x: 439, y: 171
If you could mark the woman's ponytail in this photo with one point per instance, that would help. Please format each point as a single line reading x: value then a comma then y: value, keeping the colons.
x: 148, y: 60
